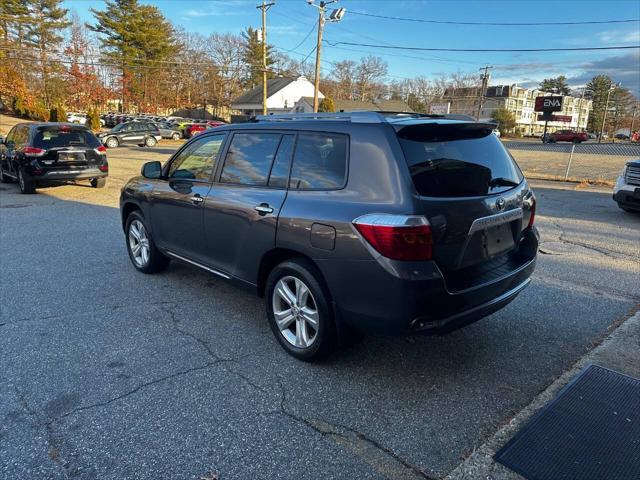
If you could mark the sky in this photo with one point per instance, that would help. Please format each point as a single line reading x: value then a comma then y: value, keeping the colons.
x: 291, y: 29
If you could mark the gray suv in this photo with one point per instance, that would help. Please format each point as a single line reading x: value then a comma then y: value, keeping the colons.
x: 344, y: 222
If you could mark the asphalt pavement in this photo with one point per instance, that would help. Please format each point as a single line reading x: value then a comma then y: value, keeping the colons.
x: 111, y: 374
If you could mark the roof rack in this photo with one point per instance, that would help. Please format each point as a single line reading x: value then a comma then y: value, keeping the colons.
x: 356, y: 117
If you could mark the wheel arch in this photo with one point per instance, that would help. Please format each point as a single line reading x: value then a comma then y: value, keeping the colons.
x: 127, y: 209
x: 274, y: 257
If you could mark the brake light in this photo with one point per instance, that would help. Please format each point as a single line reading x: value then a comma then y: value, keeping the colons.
x: 33, y: 151
x: 399, y: 237
x: 101, y: 150
x: 533, y: 213
x: 104, y: 168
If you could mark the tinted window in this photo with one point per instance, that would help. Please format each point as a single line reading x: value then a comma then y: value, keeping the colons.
x: 249, y: 158
x: 21, y: 136
x: 457, y: 160
x: 320, y: 161
x: 56, y: 137
x: 197, y: 160
x: 279, y: 176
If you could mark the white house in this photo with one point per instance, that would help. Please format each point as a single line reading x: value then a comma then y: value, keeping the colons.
x: 282, y: 95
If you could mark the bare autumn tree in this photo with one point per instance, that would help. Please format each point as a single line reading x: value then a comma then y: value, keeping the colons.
x: 370, y: 72
x: 343, y: 74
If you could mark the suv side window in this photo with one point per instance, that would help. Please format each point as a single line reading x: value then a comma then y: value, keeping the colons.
x: 320, y: 161
x: 197, y: 160
x: 21, y: 136
x: 11, y: 138
x: 249, y: 158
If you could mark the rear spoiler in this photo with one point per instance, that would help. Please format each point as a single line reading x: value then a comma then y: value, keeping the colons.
x: 442, y: 132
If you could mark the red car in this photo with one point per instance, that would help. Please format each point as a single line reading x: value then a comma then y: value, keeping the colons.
x: 194, y: 129
x: 215, y: 123
x: 568, y: 136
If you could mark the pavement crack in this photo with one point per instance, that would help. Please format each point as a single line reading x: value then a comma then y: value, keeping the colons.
x: 387, y: 462
x: 604, y: 251
x: 134, y: 390
x: 170, y: 309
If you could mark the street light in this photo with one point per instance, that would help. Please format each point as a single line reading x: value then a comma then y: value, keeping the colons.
x: 335, y: 16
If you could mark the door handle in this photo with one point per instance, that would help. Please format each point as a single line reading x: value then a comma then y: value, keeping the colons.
x: 196, y: 199
x: 264, y: 208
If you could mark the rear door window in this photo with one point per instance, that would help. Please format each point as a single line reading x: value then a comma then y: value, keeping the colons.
x: 57, y: 137
x: 457, y: 160
x: 320, y: 161
x: 249, y: 158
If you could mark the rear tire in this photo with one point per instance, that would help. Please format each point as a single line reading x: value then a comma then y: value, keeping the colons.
x: 26, y: 185
x: 176, y: 136
x: 98, y: 182
x: 143, y: 253
x: 296, y: 296
x: 150, y: 141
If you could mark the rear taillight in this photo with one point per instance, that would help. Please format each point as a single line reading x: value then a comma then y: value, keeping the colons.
x: 399, y: 237
x: 103, y: 168
x: 101, y: 150
x: 531, y: 201
x: 33, y: 152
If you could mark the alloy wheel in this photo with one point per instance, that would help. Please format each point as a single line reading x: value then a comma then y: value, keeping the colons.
x: 295, y: 311
x: 139, y: 243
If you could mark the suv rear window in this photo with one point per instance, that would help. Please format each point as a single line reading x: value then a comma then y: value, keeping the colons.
x: 320, y: 162
x: 57, y: 137
x: 457, y: 160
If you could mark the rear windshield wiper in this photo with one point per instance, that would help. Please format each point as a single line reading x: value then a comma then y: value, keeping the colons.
x: 502, y: 182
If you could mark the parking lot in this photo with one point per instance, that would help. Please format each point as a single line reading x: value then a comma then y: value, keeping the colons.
x: 107, y: 373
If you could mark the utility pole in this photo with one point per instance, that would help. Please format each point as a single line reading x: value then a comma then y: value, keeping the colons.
x: 335, y: 16
x: 604, y: 114
x: 264, y: 7
x: 483, y: 89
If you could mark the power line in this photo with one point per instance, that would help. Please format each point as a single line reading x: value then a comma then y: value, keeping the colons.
x: 493, y: 24
x: 425, y: 49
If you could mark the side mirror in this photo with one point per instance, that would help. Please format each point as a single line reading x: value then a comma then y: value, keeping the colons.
x: 152, y: 170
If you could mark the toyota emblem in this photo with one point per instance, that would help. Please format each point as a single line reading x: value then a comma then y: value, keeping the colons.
x: 500, y: 203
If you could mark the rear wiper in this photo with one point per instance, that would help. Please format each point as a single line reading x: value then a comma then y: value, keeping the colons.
x: 502, y: 182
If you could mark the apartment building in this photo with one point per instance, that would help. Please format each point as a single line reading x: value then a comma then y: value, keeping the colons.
x: 520, y: 101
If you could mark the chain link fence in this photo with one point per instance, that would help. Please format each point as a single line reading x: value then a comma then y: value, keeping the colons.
x: 585, y: 162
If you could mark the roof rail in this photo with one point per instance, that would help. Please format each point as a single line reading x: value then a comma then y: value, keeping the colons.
x: 353, y: 117
x: 365, y: 116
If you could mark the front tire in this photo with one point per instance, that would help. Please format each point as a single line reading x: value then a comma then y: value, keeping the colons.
x: 26, y: 185
x: 299, y: 310
x: 144, y: 255
x: 111, y: 142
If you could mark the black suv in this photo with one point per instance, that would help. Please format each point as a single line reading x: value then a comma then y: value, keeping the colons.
x: 44, y: 154
x: 141, y: 133
x: 362, y: 221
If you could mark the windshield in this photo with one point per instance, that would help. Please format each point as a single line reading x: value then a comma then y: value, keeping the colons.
x: 59, y: 137
x: 457, y: 160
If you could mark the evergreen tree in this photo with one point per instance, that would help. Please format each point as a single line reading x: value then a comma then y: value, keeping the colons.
x: 599, y: 86
x: 555, y: 85
x: 505, y: 118
x: 326, y: 105
x: 252, y: 56
x: 139, y: 39
x: 44, y: 33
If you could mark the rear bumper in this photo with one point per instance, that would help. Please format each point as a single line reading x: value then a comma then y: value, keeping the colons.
x: 415, y: 297
x: 67, y: 175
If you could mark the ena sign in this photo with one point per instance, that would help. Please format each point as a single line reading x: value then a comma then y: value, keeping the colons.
x: 548, y: 104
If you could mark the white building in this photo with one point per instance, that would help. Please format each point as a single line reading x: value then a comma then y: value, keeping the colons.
x: 282, y: 95
x: 521, y: 102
